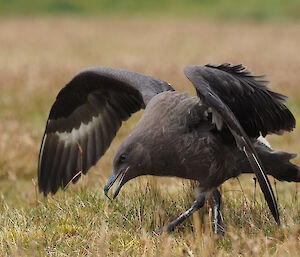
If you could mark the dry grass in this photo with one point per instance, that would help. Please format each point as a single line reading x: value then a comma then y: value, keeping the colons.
x: 37, y: 56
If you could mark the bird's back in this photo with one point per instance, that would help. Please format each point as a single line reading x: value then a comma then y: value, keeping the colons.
x: 171, y: 111
x: 179, y: 135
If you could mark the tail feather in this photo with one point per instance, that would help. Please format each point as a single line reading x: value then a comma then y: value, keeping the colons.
x: 282, y: 169
x: 277, y: 163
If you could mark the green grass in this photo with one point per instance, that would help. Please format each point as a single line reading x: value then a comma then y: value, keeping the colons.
x: 84, y: 222
x: 220, y: 9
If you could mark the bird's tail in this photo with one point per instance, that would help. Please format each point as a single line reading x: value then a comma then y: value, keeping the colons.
x: 279, y: 166
x: 276, y: 163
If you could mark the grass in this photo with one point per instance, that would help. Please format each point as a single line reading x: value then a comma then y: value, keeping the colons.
x: 220, y: 9
x: 38, y: 56
x: 83, y: 222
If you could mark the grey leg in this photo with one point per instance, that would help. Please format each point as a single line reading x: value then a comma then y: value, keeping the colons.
x: 196, y: 206
x: 217, y: 221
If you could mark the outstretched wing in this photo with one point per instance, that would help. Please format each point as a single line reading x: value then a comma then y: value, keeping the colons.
x: 244, y: 103
x: 258, y: 110
x: 84, y: 119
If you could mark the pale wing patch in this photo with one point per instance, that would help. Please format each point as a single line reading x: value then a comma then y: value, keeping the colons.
x: 264, y: 141
x: 76, y: 135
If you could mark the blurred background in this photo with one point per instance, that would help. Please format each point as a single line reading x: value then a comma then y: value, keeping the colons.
x: 43, y: 44
x: 220, y: 9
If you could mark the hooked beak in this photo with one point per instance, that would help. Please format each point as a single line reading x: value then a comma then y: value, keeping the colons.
x: 112, y: 180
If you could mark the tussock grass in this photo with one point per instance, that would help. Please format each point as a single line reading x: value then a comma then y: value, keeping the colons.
x: 37, y: 56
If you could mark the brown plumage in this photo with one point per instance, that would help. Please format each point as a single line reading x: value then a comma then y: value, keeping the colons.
x: 209, y: 138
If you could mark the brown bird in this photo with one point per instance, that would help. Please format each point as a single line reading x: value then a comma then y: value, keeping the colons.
x: 209, y: 138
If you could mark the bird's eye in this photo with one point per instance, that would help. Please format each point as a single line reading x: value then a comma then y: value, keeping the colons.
x: 122, y: 157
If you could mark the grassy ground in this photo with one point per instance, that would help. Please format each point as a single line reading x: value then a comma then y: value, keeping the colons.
x: 38, y: 56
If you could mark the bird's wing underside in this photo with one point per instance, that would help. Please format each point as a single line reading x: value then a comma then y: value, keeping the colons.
x: 85, y: 118
x: 233, y: 94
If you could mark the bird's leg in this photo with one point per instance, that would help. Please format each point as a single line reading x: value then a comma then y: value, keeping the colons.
x: 196, y: 206
x: 217, y: 221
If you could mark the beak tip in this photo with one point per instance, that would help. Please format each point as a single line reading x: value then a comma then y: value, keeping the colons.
x: 117, y: 191
x: 107, y: 196
x: 106, y: 192
x: 111, y: 181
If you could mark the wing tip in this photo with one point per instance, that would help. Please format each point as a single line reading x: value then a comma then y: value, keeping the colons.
x: 42, y: 189
x: 277, y: 219
x: 48, y: 188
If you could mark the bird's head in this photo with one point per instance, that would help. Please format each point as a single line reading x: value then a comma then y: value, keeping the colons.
x: 131, y: 160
